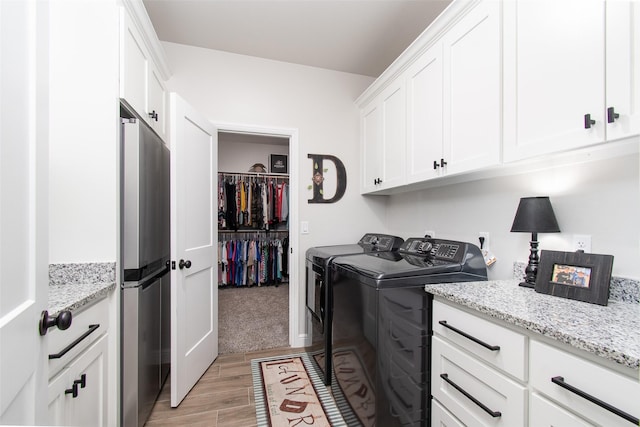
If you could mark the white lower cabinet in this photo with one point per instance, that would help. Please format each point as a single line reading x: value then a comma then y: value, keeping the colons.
x: 578, y: 384
x: 543, y: 413
x: 440, y: 417
x: 520, y: 380
x: 475, y: 393
x: 78, y: 378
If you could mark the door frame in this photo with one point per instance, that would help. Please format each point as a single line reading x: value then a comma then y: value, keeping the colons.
x: 297, y: 335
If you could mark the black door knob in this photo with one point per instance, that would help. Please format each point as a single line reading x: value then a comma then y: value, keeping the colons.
x: 184, y: 264
x: 62, y: 321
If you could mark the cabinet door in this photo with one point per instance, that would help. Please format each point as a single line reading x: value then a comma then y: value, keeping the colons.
x: 394, y: 134
x: 157, y: 102
x: 554, y: 64
x: 134, y: 63
x: 474, y: 393
x: 424, y: 115
x: 623, y: 68
x: 371, y: 131
x: 472, y: 125
x: 89, y: 406
x: 543, y: 413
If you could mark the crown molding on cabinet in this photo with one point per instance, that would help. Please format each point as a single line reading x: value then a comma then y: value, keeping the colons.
x: 139, y: 15
x: 448, y: 18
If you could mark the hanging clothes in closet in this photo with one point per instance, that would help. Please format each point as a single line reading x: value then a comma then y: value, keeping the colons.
x: 252, y: 261
x: 252, y: 201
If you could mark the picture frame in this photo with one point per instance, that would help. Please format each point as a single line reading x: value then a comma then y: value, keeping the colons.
x: 278, y: 163
x: 575, y: 275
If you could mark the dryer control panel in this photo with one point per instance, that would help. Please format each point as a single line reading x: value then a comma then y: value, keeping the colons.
x: 436, y: 249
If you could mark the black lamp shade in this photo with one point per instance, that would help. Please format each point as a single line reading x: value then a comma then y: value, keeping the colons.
x: 535, y: 215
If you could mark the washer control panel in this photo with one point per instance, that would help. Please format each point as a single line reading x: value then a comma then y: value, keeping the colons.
x: 380, y: 242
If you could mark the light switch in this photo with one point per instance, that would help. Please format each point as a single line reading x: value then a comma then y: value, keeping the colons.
x: 304, y: 227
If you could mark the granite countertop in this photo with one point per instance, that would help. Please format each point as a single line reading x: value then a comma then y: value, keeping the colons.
x: 72, y: 286
x: 611, y: 332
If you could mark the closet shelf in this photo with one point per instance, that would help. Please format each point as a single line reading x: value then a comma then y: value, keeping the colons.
x: 255, y: 174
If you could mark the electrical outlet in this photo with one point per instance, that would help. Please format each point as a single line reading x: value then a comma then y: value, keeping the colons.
x: 582, y: 242
x: 430, y: 233
x: 484, y: 234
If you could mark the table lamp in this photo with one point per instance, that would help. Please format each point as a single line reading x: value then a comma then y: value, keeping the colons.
x: 534, y: 215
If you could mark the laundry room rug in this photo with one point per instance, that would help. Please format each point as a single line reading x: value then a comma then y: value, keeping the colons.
x: 288, y: 391
x: 349, y: 377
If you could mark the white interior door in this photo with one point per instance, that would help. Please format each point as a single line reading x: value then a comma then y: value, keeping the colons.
x: 194, y: 237
x: 24, y: 249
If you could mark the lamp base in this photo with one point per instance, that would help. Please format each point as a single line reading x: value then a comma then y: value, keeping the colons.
x: 527, y: 284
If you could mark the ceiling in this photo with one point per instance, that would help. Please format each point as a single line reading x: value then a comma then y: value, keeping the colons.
x: 353, y: 36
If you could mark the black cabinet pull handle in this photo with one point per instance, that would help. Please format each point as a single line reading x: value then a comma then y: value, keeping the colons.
x: 612, y: 115
x: 75, y: 343
x: 560, y: 381
x: 184, y: 264
x: 73, y: 391
x: 82, y: 381
x: 494, y: 414
x: 472, y: 338
x: 442, y: 163
x: 153, y: 115
x: 588, y: 122
x: 62, y: 321
x: 435, y: 165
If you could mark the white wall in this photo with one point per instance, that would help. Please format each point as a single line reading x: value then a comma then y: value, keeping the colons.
x: 236, y: 156
x: 600, y: 198
x: 231, y: 88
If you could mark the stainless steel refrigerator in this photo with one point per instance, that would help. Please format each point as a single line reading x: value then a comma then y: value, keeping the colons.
x: 145, y: 251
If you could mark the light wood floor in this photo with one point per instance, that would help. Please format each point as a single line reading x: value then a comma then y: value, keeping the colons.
x: 223, y: 397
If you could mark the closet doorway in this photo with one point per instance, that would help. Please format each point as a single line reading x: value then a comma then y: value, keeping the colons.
x: 258, y: 282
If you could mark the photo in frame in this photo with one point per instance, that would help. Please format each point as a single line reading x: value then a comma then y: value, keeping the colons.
x: 278, y: 163
x: 575, y: 275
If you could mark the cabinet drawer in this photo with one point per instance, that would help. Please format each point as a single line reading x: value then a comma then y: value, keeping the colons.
x: 511, y: 357
x: 82, y: 323
x: 611, y: 387
x: 440, y: 417
x: 497, y: 393
x: 543, y: 413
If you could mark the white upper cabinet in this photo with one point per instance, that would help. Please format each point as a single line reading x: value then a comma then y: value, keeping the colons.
x: 141, y: 83
x: 453, y: 94
x: 371, y: 146
x: 472, y: 83
x: 383, y: 139
x: 424, y: 116
x: 565, y: 63
x: 442, y: 114
x: 623, y: 69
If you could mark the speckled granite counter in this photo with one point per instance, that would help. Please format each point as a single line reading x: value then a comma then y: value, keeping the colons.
x: 72, y: 286
x: 612, y: 331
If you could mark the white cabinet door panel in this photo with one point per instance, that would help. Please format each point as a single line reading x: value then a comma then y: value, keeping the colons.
x: 371, y: 131
x: 424, y: 115
x: 623, y: 68
x: 554, y: 65
x: 472, y: 90
x: 394, y: 131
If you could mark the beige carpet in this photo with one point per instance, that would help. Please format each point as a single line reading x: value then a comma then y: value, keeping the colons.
x: 255, y: 318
